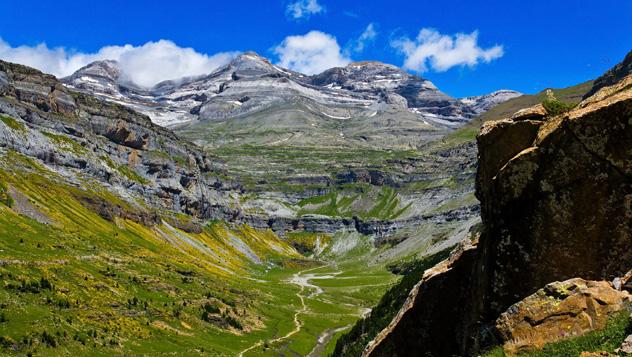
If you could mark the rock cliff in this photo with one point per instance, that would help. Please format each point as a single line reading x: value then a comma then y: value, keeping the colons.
x: 107, y: 142
x: 555, y: 197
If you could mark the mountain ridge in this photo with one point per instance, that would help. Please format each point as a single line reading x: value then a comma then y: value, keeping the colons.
x: 250, y: 84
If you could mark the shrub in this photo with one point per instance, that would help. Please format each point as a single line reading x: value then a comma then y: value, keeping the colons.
x: 231, y: 321
x: 49, y: 339
x: 211, y: 309
x: 6, y: 341
x: 555, y: 107
x: 34, y: 287
x: 5, y: 198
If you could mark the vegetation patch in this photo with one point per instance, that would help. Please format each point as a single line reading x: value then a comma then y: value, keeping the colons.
x: 359, y: 200
x: 5, y: 197
x: 65, y: 143
x: 12, y: 123
x: 556, y: 107
x: 128, y: 172
x: 308, y: 243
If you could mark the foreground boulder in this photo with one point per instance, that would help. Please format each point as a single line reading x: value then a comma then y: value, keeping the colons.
x: 560, y: 310
x: 627, y: 345
x: 556, y: 203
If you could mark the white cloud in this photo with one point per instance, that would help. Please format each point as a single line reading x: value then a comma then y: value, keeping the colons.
x: 144, y: 65
x: 311, y: 53
x: 303, y: 9
x: 365, y: 38
x: 441, y: 52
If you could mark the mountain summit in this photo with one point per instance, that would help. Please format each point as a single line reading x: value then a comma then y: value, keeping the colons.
x: 361, y: 104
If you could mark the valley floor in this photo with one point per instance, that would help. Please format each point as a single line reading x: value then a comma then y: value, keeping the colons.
x: 74, y: 282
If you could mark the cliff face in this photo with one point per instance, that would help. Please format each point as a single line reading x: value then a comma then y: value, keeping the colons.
x: 556, y: 203
x: 107, y: 142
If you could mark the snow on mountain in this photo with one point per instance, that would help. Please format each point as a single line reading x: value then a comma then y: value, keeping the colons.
x: 384, y: 95
x: 483, y: 103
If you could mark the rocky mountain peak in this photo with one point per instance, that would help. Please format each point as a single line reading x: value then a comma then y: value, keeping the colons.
x: 483, y: 103
x: 251, y: 64
x: 365, y: 75
x: 251, y: 83
x: 108, y: 69
x: 97, y: 77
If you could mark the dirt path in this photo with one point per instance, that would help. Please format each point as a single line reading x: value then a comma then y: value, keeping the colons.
x: 325, y: 337
x: 303, y: 282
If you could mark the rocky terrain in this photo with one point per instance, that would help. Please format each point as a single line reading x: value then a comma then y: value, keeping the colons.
x: 483, y: 103
x: 82, y: 137
x: 252, y: 101
x: 293, y: 143
x: 553, y: 192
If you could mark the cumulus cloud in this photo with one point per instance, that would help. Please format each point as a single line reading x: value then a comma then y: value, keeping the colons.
x: 369, y: 34
x: 311, y: 53
x: 433, y: 50
x: 303, y: 9
x: 144, y: 65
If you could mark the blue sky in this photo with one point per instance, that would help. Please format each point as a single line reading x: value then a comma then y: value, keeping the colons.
x: 538, y: 43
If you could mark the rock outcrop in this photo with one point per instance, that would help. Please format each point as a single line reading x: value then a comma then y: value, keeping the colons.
x: 437, y: 318
x: 613, y: 76
x: 560, y: 310
x: 627, y: 346
x: 556, y: 203
x: 110, y: 143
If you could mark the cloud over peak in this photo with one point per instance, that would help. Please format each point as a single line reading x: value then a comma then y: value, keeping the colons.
x: 311, y: 53
x: 369, y: 35
x: 144, y: 65
x: 439, y: 52
x: 303, y: 9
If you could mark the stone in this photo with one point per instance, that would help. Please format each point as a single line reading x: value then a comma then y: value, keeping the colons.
x: 536, y: 112
x: 626, y: 347
x: 558, y: 311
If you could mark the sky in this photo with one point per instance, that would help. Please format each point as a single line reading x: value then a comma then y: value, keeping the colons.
x: 464, y: 47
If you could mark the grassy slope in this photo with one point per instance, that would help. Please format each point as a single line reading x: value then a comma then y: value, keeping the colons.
x: 364, y: 201
x: 571, y: 94
x: 121, y: 287
x: 262, y: 168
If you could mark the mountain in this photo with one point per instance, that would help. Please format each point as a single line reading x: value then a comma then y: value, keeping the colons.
x: 393, y: 85
x: 99, y: 77
x: 483, y: 103
x: 252, y: 101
